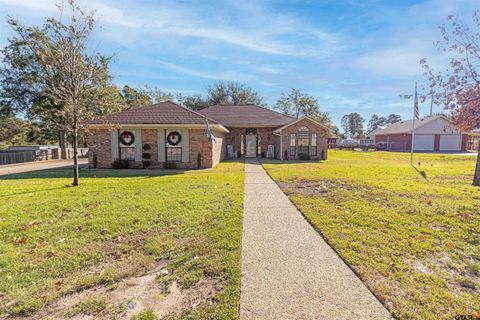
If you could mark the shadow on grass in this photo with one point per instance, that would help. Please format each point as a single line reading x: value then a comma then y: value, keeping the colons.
x: 276, y: 161
x: 421, y: 172
x: 91, y: 173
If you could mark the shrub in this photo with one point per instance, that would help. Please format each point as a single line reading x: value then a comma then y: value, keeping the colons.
x: 120, y: 164
x: 304, y: 156
x: 146, y: 156
x: 199, y: 160
x: 170, y: 165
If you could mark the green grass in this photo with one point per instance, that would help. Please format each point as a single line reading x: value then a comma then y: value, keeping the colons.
x: 412, y: 235
x: 56, y: 239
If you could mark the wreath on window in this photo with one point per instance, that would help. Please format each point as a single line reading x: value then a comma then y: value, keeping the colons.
x: 174, y: 138
x: 127, y: 138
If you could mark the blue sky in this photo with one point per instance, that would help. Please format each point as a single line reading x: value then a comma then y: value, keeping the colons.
x: 353, y: 56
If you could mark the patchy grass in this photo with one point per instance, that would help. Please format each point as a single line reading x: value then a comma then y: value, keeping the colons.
x: 412, y: 235
x: 56, y: 240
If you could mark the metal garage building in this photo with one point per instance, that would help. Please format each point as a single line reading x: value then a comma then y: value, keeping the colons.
x: 435, y: 133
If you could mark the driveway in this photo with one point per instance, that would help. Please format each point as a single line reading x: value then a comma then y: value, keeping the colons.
x: 38, y: 165
x: 288, y: 270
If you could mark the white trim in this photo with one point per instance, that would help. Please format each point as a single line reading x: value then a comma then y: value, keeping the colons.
x: 138, y: 144
x: 161, y: 145
x: 185, y: 146
x: 158, y: 126
x: 114, y: 145
x: 300, y: 119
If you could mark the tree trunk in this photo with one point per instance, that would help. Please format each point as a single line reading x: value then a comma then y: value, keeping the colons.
x: 476, y: 176
x: 63, y: 144
x: 75, y: 151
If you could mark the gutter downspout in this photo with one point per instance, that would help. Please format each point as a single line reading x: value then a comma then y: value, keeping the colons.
x: 281, y: 144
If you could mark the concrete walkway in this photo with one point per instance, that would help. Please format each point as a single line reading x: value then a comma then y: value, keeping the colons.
x: 288, y: 270
x: 37, y: 165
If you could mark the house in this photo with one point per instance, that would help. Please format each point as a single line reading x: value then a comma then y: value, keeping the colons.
x: 473, y: 139
x: 434, y: 133
x: 175, y: 134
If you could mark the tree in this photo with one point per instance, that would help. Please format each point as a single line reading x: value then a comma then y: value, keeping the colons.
x: 193, y: 102
x: 298, y: 104
x: 230, y: 92
x: 458, y: 87
x: 60, y: 69
x: 352, y: 125
x: 393, y: 118
x: 375, y: 122
x: 155, y: 94
x: 134, y: 98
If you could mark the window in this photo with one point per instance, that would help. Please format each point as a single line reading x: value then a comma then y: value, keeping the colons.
x: 303, y: 129
x: 126, y: 140
x: 173, y: 152
x: 303, y: 143
x: 292, y: 145
x: 314, y: 144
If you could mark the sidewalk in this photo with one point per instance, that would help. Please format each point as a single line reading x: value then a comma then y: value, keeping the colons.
x: 288, y: 270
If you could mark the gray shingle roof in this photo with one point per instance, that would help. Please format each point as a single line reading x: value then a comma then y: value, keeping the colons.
x: 406, y: 126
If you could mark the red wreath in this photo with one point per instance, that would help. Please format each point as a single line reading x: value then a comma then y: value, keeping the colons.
x: 172, y: 136
x: 125, y: 135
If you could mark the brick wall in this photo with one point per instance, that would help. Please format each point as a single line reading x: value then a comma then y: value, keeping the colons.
x: 99, y: 148
x: 100, y: 153
x: 322, y: 139
x: 396, y: 142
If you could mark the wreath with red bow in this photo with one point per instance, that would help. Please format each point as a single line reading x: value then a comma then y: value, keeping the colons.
x: 174, y: 138
x: 127, y: 138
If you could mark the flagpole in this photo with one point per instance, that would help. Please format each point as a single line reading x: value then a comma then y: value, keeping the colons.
x: 415, y: 102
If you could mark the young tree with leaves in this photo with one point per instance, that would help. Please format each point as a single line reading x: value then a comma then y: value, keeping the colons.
x: 298, y: 104
x: 458, y: 87
x: 60, y: 69
x: 352, y: 124
x: 229, y: 92
x: 375, y: 122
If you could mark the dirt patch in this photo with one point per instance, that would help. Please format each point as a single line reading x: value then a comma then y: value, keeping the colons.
x: 131, y: 296
x: 314, y: 188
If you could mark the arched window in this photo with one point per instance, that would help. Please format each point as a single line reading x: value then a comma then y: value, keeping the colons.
x: 303, y: 129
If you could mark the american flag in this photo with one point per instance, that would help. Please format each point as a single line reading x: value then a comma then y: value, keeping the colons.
x: 416, y: 111
x: 210, y: 135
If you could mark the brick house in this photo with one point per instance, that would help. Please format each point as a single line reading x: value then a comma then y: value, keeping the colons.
x: 435, y: 133
x: 178, y: 135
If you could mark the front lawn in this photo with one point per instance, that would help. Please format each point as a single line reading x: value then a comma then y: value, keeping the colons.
x: 413, y: 236
x: 184, y: 228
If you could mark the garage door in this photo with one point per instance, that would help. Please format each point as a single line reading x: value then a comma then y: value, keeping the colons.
x: 424, y: 142
x: 450, y: 142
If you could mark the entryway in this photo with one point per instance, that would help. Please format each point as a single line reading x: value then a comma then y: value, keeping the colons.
x: 251, y: 145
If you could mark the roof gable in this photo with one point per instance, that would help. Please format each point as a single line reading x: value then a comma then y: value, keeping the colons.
x: 305, y: 118
x: 247, y: 115
x: 166, y: 112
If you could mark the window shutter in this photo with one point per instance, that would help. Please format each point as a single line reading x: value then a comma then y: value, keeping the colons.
x: 185, y: 146
x: 161, y: 145
x: 114, y: 146
x: 138, y: 145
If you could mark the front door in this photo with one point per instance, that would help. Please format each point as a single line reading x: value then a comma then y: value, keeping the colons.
x: 251, y: 145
